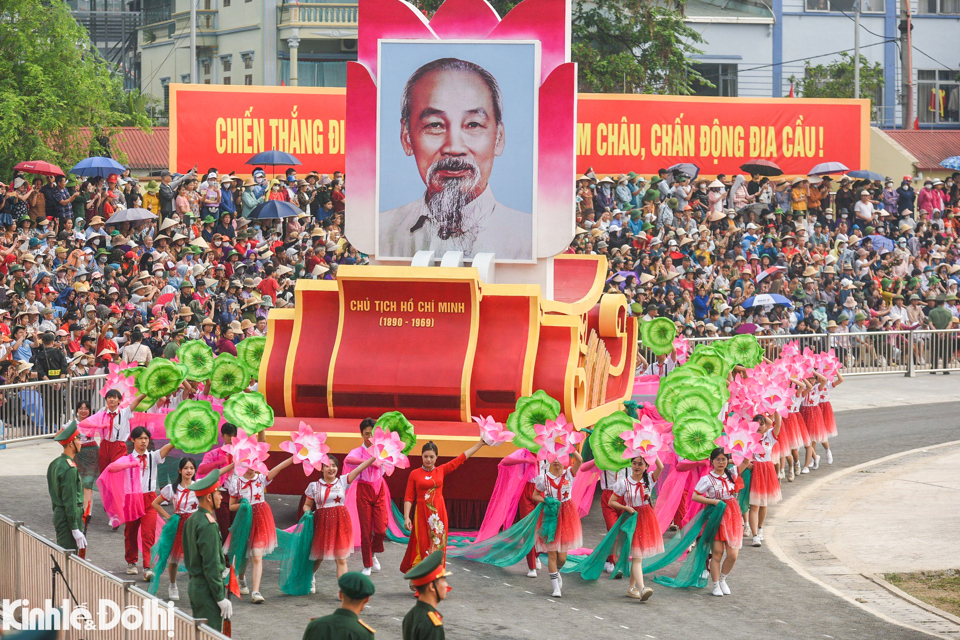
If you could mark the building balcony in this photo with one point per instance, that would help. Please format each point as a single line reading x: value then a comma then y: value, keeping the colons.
x: 178, y: 24
x: 323, y: 15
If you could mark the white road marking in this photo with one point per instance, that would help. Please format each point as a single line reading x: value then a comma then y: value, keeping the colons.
x: 598, y: 617
x: 507, y: 585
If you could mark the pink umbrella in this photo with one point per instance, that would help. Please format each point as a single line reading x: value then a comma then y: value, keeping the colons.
x: 747, y: 327
x: 39, y: 167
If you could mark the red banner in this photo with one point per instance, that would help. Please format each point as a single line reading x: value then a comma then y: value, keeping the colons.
x: 224, y: 126
x: 622, y: 133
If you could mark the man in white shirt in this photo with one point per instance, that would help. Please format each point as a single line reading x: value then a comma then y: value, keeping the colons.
x: 136, y: 351
x: 662, y: 366
x: 864, y: 210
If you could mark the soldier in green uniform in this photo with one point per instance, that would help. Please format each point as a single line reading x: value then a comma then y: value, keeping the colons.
x: 66, y: 492
x: 345, y: 622
x: 424, y: 622
x: 203, y: 554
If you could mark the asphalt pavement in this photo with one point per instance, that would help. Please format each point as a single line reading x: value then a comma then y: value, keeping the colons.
x: 769, y: 599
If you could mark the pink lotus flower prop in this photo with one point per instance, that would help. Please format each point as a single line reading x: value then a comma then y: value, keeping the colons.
x: 387, y: 448
x: 643, y: 441
x: 125, y: 384
x: 493, y: 433
x: 681, y: 349
x: 307, y: 448
x: 557, y: 439
x: 248, y: 453
x: 742, y: 441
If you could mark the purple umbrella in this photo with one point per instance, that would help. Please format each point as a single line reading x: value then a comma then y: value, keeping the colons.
x: 826, y: 168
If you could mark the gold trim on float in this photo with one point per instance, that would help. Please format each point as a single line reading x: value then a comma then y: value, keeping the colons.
x: 589, y: 300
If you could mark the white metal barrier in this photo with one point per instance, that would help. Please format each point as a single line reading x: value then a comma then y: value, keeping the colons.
x: 39, y: 409
x: 868, y: 352
x: 27, y: 572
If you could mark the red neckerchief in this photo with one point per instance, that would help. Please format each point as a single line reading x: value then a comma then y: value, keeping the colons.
x: 326, y: 493
x: 143, y: 460
x: 183, y: 499
x: 638, y: 487
x: 558, y: 486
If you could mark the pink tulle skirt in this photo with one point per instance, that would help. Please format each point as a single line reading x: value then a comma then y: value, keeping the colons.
x: 804, y: 434
x: 781, y: 444
x: 647, y: 539
x: 263, y: 531
x: 813, y: 419
x: 731, y: 527
x: 569, y: 531
x: 829, y: 420
x: 332, y: 534
x: 789, y: 434
x: 764, y: 485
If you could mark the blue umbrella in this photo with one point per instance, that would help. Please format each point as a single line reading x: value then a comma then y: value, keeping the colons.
x: 274, y: 158
x: 826, y: 168
x: 97, y: 166
x: 766, y: 300
x: 882, y: 244
x: 953, y: 162
x: 274, y: 209
x: 864, y: 174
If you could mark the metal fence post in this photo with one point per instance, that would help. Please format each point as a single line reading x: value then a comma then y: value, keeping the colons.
x: 18, y: 588
x: 910, y: 356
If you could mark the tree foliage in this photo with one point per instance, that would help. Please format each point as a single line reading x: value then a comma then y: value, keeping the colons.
x: 631, y: 46
x: 53, y: 82
x: 835, y: 80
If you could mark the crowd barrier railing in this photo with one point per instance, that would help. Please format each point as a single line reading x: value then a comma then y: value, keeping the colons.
x: 39, y: 409
x: 27, y: 573
x: 867, y: 353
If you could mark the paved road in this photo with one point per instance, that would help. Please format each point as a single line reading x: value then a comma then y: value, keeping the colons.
x: 769, y: 600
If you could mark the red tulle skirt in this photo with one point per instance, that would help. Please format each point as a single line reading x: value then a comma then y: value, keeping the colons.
x: 813, y: 418
x: 789, y: 434
x: 781, y: 446
x: 647, y: 539
x: 569, y: 531
x: 731, y: 527
x: 829, y: 420
x: 803, y: 433
x: 176, y: 552
x: 332, y: 534
x: 263, y: 531
x: 764, y: 485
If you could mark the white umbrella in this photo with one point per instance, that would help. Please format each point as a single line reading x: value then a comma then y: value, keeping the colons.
x: 131, y: 215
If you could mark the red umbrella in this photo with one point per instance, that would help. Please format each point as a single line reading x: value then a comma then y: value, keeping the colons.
x: 39, y: 167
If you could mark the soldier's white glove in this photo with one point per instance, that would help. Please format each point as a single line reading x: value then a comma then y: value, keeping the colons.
x: 226, y: 608
x: 80, y: 538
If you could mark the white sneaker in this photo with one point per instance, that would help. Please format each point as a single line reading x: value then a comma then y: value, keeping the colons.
x: 717, y: 591
x: 816, y: 462
x: 805, y: 470
x: 313, y: 585
x: 829, y: 456
x: 532, y: 573
x: 760, y: 533
x: 539, y: 564
x: 781, y: 474
x: 756, y: 541
x: 723, y: 586
x: 244, y: 589
x: 556, y: 589
x: 147, y: 575
x: 705, y: 575
x: 256, y: 598
x: 608, y: 567
x: 366, y: 571
x: 173, y: 593
x: 796, y: 466
x: 376, y: 564
x: 132, y: 570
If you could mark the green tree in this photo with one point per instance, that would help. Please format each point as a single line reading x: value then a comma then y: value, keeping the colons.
x: 53, y: 82
x: 631, y: 46
x: 835, y: 80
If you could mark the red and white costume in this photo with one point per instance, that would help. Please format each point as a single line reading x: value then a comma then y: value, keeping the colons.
x: 146, y: 525
x: 263, y: 531
x: 184, y: 503
x: 113, y: 445
x: 608, y: 483
x: 647, y: 539
x: 764, y: 484
x: 569, y: 530
x: 829, y: 420
x: 812, y: 416
x: 332, y: 530
x: 371, y: 504
x: 723, y: 488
